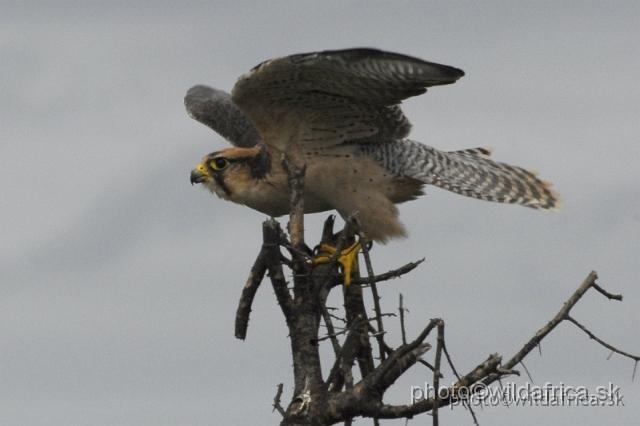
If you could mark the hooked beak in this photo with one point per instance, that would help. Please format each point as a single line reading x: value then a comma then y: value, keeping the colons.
x: 199, y: 174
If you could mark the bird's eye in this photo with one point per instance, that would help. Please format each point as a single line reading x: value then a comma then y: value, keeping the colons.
x: 219, y: 163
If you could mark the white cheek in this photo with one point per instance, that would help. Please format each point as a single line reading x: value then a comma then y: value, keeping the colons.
x: 215, y: 189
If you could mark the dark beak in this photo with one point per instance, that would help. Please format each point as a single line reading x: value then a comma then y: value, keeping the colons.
x: 197, y: 176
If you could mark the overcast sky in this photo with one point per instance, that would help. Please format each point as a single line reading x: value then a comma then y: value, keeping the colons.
x: 119, y: 281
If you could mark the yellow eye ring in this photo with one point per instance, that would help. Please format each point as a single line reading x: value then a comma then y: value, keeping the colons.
x: 219, y: 163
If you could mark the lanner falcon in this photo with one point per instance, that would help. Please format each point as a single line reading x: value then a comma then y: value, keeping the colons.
x: 338, y: 112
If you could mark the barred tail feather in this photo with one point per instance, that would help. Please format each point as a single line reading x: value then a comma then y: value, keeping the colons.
x: 468, y: 172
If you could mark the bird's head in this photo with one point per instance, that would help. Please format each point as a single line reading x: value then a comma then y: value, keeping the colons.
x: 229, y: 173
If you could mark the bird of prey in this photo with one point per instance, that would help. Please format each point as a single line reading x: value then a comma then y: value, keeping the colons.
x: 338, y: 112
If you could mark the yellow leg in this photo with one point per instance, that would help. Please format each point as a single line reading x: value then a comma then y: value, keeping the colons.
x: 347, y: 258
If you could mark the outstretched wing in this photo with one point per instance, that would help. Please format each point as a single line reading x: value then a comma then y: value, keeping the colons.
x: 330, y: 97
x: 215, y: 109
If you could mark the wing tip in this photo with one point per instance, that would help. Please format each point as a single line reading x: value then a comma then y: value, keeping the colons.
x: 201, y: 93
x: 554, y: 197
x: 447, y: 73
x: 550, y: 201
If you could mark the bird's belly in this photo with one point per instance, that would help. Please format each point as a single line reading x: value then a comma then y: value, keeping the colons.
x: 316, y: 205
x: 280, y: 205
x: 274, y: 200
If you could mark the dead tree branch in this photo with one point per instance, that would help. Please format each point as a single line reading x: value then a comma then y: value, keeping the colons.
x: 602, y: 342
x: 249, y: 290
x: 276, y: 401
x: 563, y: 314
x: 402, y: 329
x: 394, y: 273
x: 376, y: 301
x: 341, y: 396
x: 296, y: 177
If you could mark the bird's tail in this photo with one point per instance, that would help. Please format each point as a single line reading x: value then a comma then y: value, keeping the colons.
x: 469, y: 172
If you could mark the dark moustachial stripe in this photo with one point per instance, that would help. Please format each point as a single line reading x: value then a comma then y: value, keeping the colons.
x: 259, y: 165
x: 220, y: 181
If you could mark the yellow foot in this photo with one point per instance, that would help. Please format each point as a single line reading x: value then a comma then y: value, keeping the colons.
x: 348, y: 258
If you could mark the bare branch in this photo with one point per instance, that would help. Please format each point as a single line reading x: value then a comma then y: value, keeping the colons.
x: 612, y: 348
x: 334, y: 335
x: 394, y: 273
x: 323, y: 293
x: 331, y: 330
x: 455, y: 372
x: 296, y: 177
x: 606, y: 294
x: 393, y: 367
x: 423, y: 335
x: 355, y: 311
x: 398, y: 362
x: 526, y: 371
x: 248, y: 293
x: 449, y: 361
x: 402, y: 329
x: 429, y: 366
x: 341, y: 369
x: 276, y: 401
x: 271, y: 236
x: 376, y: 300
x: 436, y: 372
x: 588, y: 282
x: 488, y: 367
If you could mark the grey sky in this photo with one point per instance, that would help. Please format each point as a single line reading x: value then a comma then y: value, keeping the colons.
x: 119, y: 281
